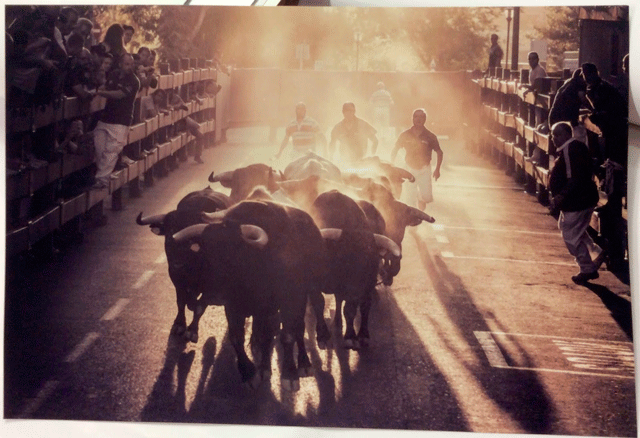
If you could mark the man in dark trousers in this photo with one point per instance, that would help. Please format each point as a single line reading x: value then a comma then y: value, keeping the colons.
x: 575, y: 196
x: 354, y: 135
x: 610, y: 113
x: 111, y: 133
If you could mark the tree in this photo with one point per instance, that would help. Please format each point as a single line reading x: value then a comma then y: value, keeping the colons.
x: 456, y: 38
x: 561, y: 31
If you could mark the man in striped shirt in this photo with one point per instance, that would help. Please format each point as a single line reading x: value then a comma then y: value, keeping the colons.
x: 302, y: 131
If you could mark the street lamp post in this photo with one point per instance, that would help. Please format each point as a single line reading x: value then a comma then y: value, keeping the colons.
x: 508, y: 15
x: 358, y: 37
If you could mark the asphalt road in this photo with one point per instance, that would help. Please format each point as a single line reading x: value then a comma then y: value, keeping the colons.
x: 482, y: 330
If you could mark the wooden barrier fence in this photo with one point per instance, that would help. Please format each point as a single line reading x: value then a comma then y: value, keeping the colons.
x: 154, y: 140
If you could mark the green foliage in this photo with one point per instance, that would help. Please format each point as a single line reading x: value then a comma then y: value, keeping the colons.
x: 392, y: 38
x: 561, y: 31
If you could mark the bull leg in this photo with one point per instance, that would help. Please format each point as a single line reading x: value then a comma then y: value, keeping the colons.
x: 350, y: 339
x: 180, y: 322
x: 192, y: 332
x: 363, y: 333
x: 262, y: 333
x: 305, y: 368
x: 247, y: 369
x: 322, y: 331
x: 337, y: 321
x: 288, y: 336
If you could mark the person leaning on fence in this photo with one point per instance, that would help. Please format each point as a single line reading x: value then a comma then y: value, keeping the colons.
x: 567, y: 102
x: 419, y: 144
x: 111, y: 133
x: 610, y: 115
x: 303, y: 132
x: 575, y: 196
x: 354, y: 135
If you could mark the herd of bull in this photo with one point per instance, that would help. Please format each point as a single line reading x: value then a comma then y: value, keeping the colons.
x: 278, y: 242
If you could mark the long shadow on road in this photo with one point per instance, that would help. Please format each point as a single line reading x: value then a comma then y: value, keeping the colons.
x: 619, y: 307
x: 519, y: 394
x: 393, y: 384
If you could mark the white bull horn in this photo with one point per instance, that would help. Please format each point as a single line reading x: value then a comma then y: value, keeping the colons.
x: 189, y: 232
x: 331, y: 233
x: 215, y: 217
x: 405, y: 174
x: 149, y: 219
x: 224, y: 176
x: 422, y: 215
x: 388, y: 244
x: 254, y: 235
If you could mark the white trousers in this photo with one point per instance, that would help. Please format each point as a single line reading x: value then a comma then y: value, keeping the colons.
x: 109, y: 140
x: 420, y: 189
x: 573, y: 226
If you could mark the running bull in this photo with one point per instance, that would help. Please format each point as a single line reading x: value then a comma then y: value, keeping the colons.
x: 187, y: 269
x: 268, y: 260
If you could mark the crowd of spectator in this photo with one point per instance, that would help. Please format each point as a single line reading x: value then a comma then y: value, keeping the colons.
x: 53, y: 52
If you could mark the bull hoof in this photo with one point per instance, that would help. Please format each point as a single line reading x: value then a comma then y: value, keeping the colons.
x: 291, y: 385
x: 305, y: 371
x: 351, y: 344
x: 178, y: 329
x: 191, y: 336
x: 322, y: 345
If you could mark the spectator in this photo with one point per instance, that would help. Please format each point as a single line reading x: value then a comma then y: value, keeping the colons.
x: 303, y: 132
x: 65, y: 23
x: 536, y: 69
x: 113, y: 42
x: 354, y: 135
x: 74, y: 45
x: 574, y: 198
x: 83, y: 27
x: 381, y: 102
x: 419, y: 144
x: 110, y: 134
x: 80, y: 79
x: 567, y: 102
x: 622, y: 81
x: 495, y: 53
x: 128, y: 34
x: 610, y: 115
x: 146, y: 70
x: 176, y: 103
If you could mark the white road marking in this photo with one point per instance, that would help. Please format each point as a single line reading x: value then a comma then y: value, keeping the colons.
x: 447, y: 254
x: 441, y: 227
x: 42, y: 395
x: 89, y: 339
x: 144, y: 278
x: 618, y: 351
x: 491, y: 350
x: 461, y: 186
x: 496, y: 259
x: 115, y: 310
x: 442, y: 239
x: 162, y: 259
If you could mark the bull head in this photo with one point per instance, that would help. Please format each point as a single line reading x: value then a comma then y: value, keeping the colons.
x: 385, y: 244
x: 251, y: 234
x: 155, y: 222
x: 225, y: 178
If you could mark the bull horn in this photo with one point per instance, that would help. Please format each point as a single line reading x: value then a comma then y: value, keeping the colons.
x: 331, y: 233
x: 224, y: 176
x: 388, y: 244
x: 405, y: 174
x: 254, y: 235
x: 422, y: 215
x: 214, y: 217
x: 189, y: 232
x: 149, y: 219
